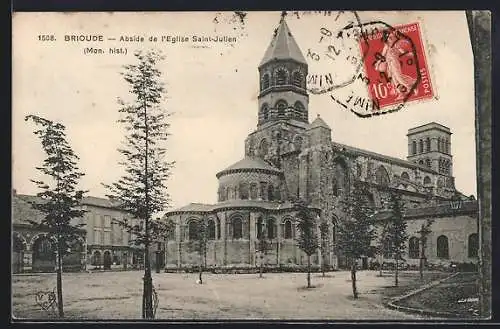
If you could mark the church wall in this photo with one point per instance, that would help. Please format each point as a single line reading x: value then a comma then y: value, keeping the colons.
x: 290, y: 167
x: 233, y: 181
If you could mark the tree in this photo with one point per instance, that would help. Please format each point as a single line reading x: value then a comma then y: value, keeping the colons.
x: 424, y: 232
x: 198, y: 239
x: 382, y: 242
x: 324, y: 242
x: 264, y: 245
x: 397, y: 235
x: 141, y: 191
x: 60, y: 200
x: 355, y: 232
x: 307, y: 239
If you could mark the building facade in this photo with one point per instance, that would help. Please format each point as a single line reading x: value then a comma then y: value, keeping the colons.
x: 288, y: 158
x: 104, y: 244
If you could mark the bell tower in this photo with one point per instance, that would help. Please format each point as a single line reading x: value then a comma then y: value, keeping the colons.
x: 282, y: 73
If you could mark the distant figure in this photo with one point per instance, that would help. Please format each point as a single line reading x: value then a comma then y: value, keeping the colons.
x: 390, y: 63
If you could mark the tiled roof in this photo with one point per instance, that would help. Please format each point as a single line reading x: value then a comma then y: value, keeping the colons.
x: 383, y: 157
x: 283, y: 46
x: 250, y: 163
x: 200, y: 207
x: 441, y: 210
x: 318, y: 122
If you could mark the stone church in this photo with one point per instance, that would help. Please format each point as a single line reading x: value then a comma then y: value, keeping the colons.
x: 289, y: 157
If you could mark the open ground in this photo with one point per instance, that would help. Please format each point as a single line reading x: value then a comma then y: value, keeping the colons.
x: 117, y: 295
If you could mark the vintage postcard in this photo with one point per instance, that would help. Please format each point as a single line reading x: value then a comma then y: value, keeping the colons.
x: 296, y: 165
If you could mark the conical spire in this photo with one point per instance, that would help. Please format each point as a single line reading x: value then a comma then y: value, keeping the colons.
x: 283, y: 45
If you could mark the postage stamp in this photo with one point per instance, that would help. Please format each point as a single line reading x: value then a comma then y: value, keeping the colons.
x: 395, y: 66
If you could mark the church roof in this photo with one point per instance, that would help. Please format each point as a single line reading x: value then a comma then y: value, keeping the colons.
x: 318, y: 122
x: 283, y: 46
x: 444, y: 209
x: 250, y: 163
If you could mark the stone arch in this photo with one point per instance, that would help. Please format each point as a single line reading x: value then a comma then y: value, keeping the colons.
x: 253, y: 191
x: 18, y: 250
x: 443, y: 249
x: 473, y: 245
x: 263, y: 147
x: 192, y: 228
x: 265, y: 81
x: 236, y: 221
x: 300, y: 110
x: 298, y: 79
x: 382, y: 176
x: 281, y: 76
x: 96, y: 259
x: 421, y: 146
x: 405, y: 176
x: 264, y: 110
x: 272, y: 228
x: 281, y: 106
x: 413, y: 248
x: 211, y: 230
x: 427, y: 180
x: 288, y: 232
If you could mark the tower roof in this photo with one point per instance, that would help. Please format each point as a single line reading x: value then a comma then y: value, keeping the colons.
x: 318, y: 122
x: 249, y: 163
x: 283, y: 46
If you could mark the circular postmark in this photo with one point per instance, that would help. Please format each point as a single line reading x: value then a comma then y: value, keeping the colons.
x: 334, y: 56
x: 369, y: 68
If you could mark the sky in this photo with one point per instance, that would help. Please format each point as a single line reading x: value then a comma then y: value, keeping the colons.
x: 212, y: 91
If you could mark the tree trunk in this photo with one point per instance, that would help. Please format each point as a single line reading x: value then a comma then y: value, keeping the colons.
x: 323, y: 266
x: 261, y: 264
x: 353, y: 280
x: 147, y: 305
x: 396, y: 272
x: 421, y: 268
x: 200, y: 274
x: 308, y: 271
x: 60, y: 306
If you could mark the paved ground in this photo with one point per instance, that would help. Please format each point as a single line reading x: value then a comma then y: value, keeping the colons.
x: 117, y: 295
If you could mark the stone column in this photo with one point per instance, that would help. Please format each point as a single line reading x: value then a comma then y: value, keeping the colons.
x: 223, y: 235
x: 178, y: 238
x: 278, y: 240
x: 253, y: 236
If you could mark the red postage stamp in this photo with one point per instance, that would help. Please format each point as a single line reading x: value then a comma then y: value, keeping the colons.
x: 396, y: 67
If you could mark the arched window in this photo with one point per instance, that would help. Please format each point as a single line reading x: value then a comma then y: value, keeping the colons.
x: 43, y: 248
x: 297, y: 79
x: 263, y: 147
x: 281, y: 106
x: 413, y: 248
x: 265, y: 81
x: 421, y: 162
x: 420, y: 146
x: 260, y: 228
x: 270, y: 192
x: 414, y: 147
x: 288, y: 229
x: 281, y: 76
x: 428, y: 162
x: 446, y: 146
x: 237, y: 228
x: 228, y: 193
x: 244, y: 191
x: 473, y: 245
x: 439, y: 144
x: 340, y: 179
x: 253, y: 191
x: 211, y: 230
x: 405, y: 176
x: 428, y: 144
x: 193, y: 230
x: 265, y: 111
x: 96, y: 258
x: 442, y: 247
x: 218, y: 229
x: 271, y: 228
x: 382, y: 176
x: 427, y: 180
x: 300, y: 110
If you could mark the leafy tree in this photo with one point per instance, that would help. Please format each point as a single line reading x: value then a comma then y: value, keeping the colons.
x: 60, y: 200
x: 264, y: 245
x: 397, y: 235
x: 141, y: 191
x: 424, y: 232
x: 355, y: 233
x: 198, y: 240
x: 324, y: 243
x: 307, y: 239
